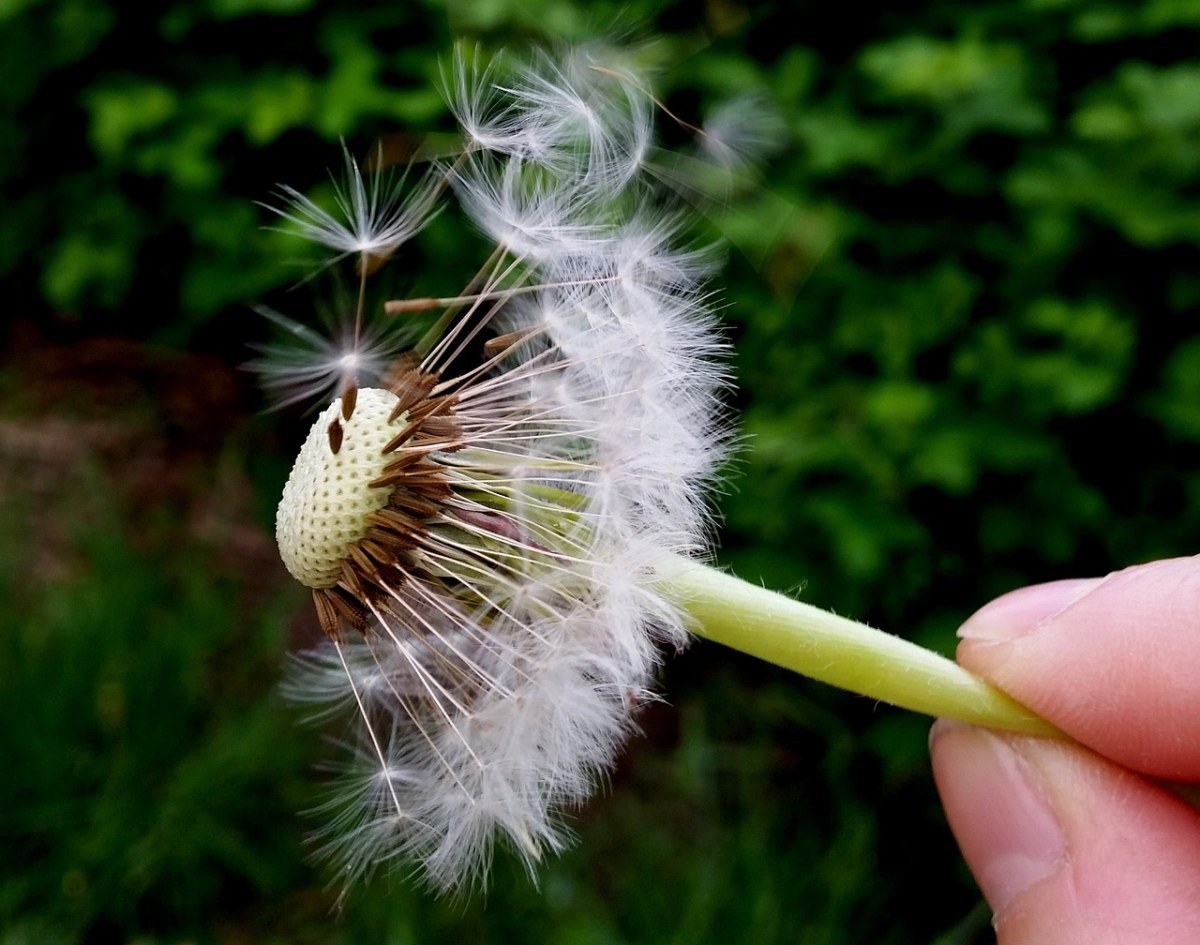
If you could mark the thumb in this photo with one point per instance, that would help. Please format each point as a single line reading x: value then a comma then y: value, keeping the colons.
x: 1068, y: 848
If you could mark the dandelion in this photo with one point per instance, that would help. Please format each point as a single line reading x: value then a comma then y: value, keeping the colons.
x: 479, y: 540
x: 502, y: 529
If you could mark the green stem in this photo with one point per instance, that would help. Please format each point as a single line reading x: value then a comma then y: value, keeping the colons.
x: 837, y: 650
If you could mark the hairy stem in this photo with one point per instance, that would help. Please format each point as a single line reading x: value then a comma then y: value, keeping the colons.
x: 838, y: 651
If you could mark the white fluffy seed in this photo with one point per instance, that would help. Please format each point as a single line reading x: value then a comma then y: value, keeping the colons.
x: 327, y: 498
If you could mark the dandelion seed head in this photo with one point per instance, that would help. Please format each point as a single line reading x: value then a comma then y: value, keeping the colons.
x: 480, y: 532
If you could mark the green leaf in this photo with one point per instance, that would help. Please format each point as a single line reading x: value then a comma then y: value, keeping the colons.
x: 121, y: 113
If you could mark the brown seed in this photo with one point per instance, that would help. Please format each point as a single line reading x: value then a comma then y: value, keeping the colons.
x: 327, y: 614
x: 504, y: 344
x: 349, y: 400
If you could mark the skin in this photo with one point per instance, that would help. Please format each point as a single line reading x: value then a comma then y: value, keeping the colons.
x: 1084, y: 842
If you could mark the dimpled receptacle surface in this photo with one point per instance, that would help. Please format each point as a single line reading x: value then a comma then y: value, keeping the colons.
x: 327, y: 500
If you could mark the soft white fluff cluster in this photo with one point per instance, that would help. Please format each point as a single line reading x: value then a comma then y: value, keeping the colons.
x: 495, y: 619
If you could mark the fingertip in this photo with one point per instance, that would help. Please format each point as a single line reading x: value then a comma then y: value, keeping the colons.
x: 1022, y: 611
x: 1110, y: 661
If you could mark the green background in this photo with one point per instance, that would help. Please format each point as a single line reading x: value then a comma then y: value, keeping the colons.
x: 962, y: 292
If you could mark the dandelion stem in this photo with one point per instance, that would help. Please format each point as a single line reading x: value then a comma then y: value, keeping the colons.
x: 837, y: 650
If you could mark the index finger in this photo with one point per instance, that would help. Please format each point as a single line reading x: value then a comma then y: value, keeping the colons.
x: 1114, y: 662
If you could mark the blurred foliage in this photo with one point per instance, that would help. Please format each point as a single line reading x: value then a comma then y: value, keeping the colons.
x: 963, y: 292
x: 152, y: 769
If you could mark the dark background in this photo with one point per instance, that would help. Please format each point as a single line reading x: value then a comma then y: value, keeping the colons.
x: 963, y: 292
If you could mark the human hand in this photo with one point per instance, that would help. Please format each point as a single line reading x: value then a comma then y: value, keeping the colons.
x: 1076, y: 843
